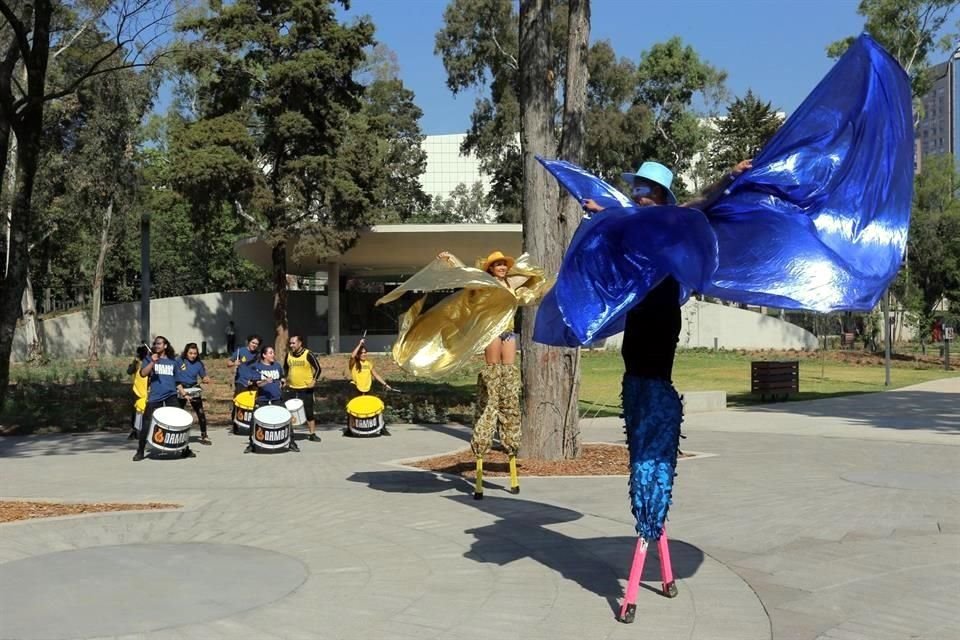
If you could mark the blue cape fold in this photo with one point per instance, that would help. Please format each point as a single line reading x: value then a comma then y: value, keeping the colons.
x: 819, y: 223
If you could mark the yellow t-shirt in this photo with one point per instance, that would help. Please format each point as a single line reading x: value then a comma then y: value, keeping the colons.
x: 300, y: 371
x: 363, y: 379
x: 140, y: 391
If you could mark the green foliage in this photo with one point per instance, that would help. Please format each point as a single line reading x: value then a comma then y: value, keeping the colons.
x: 934, y: 242
x: 635, y: 112
x: 464, y: 204
x: 908, y: 29
x: 749, y: 124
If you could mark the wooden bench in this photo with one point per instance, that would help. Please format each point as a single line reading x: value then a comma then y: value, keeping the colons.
x: 775, y: 378
x: 848, y: 340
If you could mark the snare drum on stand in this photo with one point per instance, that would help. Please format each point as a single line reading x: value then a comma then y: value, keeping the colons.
x: 170, y: 430
x: 272, y: 430
x: 365, y: 416
x: 245, y: 401
x: 192, y: 393
x: 297, y: 412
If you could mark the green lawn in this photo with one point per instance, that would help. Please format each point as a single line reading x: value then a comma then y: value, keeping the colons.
x: 68, y: 396
x: 833, y: 374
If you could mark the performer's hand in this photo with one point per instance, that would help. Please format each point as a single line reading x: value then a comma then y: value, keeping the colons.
x: 206, y: 380
x: 741, y: 166
x: 154, y: 357
x: 591, y: 206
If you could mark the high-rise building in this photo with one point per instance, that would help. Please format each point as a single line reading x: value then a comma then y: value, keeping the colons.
x: 939, y: 129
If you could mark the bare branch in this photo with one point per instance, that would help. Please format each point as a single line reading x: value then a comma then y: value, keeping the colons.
x: 73, y: 39
x: 246, y: 216
x: 510, y: 58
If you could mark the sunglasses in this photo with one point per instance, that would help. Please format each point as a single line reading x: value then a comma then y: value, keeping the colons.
x: 642, y: 190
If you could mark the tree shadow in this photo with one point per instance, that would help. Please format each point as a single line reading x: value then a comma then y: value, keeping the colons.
x: 525, y: 529
x: 905, y: 410
x: 36, y: 446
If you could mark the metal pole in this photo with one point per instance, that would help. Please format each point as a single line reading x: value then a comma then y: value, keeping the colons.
x: 886, y: 338
x: 946, y: 355
x: 145, y: 278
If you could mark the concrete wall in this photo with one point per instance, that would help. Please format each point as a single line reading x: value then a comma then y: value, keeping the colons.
x: 184, y: 319
x: 204, y: 317
x: 733, y: 328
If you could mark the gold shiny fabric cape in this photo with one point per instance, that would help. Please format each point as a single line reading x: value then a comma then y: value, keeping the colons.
x: 446, y: 336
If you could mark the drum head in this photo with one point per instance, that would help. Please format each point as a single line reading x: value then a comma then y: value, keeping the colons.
x: 192, y: 391
x: 293, y: 404
x: 365, y: 406
x: 172, y: 417
x: 271, y: 416
x: 245, y: 400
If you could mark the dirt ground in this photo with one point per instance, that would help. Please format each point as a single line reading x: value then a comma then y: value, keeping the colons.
x: 12, y: 510
x: 595, y: 460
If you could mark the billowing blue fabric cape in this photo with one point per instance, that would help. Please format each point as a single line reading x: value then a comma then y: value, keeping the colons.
x: 819, y: 223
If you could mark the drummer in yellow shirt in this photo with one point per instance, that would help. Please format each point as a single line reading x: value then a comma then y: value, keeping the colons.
x: 362, y: 373
x: 303, y: 371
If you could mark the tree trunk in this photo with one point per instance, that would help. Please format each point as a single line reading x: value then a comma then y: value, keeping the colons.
x: 93, y: 351
x: 551, y: 375
x: 279, y: 259
x: 31, y: 332
x: 14, y: 281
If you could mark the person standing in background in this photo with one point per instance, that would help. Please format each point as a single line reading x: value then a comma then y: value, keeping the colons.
x: 231, y: 337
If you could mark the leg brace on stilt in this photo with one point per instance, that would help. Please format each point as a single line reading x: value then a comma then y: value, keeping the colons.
x: 485, y: 412
x: 653, y: 413
x: 510, y: 421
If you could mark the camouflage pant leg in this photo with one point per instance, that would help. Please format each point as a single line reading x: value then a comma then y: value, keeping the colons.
x: 485, y: 412
x: 510, y: 419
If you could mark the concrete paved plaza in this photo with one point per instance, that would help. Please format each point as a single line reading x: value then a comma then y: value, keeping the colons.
x: 832, y: 519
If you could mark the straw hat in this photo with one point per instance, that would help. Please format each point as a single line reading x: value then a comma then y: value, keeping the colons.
x: 494, y: 257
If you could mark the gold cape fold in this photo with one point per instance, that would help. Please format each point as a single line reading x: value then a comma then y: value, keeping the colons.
x: 447, y: 335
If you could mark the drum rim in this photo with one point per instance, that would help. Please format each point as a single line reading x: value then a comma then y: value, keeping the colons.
x: 172, y: 411
x: 267, y: 410
x: 369, y: 413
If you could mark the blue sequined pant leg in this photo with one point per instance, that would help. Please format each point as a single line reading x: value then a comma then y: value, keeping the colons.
x: 653, y: 413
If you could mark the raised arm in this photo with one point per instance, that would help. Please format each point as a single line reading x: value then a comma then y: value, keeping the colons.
x: 709, y: 195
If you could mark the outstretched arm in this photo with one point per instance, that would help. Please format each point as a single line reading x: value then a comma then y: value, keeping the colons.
x: 715, y: 190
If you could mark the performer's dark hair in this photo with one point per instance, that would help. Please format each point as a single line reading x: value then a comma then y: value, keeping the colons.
x: 191, y: 345
x: 356, y: 361
x: 169, y: 352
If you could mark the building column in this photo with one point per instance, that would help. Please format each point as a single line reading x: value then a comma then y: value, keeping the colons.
x: 333, y: 307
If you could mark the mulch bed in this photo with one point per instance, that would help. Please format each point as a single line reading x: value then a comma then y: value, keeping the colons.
x: 594, y: 460
x: 12, y: 510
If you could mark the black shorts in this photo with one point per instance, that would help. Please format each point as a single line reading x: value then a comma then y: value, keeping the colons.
x: 303, y: 394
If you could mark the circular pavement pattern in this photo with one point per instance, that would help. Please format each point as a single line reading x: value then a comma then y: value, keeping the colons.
x: 123, y: 589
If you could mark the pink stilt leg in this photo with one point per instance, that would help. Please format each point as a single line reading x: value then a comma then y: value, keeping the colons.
x: 666, y: 569
x: 629, y: 608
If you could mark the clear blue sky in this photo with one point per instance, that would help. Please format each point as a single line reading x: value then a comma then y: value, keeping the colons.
x: 775, y: 47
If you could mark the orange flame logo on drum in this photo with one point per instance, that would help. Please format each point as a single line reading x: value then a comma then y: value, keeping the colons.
x: 158, y: 436
x: 259, y: 433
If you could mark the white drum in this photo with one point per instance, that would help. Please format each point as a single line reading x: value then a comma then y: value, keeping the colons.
x: 192, y: 392
x: 170, y: 429
x: 271, y: 428
x: 297, y: 412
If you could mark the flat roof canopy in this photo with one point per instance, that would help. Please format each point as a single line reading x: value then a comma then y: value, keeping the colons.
x: 396, y: 249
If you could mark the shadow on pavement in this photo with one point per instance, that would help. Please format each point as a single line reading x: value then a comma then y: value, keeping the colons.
x: 904, y: 410
x: 523, y: 529
x: 63, y: 444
